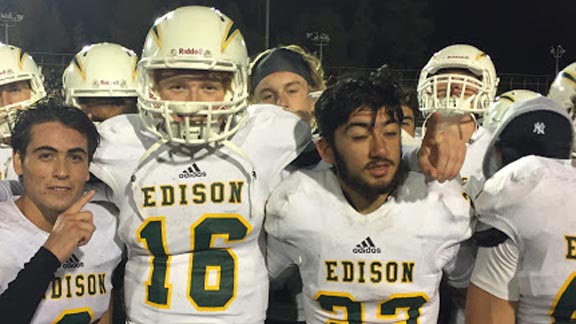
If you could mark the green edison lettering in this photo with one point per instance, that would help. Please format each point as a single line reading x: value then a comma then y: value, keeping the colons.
x: 77, y: 318
x: 206, y: 256
x: 153, y: 232
x: 413, y: 304
x: 353, y: 308
x: 565, y: 309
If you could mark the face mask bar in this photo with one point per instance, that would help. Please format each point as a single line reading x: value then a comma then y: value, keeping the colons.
x: 454, y: 93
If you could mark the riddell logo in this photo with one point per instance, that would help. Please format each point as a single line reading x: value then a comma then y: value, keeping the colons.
x: 457, y: 57
x: 190, y: 51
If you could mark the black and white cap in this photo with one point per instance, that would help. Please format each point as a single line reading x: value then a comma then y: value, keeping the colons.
x: 538, y: 126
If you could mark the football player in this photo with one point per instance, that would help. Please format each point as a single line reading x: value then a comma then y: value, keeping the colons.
x: 409, y: 102
x: 57, y: 251
x: 563, y: 91
x: 285, y: 76
x: 292, y: 78
x: 350, y: 231
x: 460, y: 81
x: 498, y: 108
x: 101, y: 80
x: 525, y: 274
x: 191, y: 173
x: 21, y: 85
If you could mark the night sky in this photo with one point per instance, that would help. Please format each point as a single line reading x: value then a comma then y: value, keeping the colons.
x: 516, y: 34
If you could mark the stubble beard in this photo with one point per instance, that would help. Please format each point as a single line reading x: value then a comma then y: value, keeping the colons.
x: 361, y: 186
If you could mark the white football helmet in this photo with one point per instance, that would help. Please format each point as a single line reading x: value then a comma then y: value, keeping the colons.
x: 16, y: 65
x: 498, y: 108
x: 196, y: 38
x: 563, y: 89
x: 453, y: 92
x: 100, y: 70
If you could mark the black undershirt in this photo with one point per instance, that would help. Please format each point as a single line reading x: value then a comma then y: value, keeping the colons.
x: 19, y: 301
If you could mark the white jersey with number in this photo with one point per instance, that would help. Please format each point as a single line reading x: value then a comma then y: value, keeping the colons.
x: 82, y: 285
x: 383, y: 267
x: 6, y: 166
x: 192, y: 219
x: 532, y: 201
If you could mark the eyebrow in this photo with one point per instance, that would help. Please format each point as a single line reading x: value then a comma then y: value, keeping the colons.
x: 289, y: 84
x: 51, y: 149
x: 295, y: 82
x: 368, y: 125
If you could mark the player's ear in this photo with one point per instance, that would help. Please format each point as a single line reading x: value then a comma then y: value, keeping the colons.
x: 325, y: 150
x: 17, y: 163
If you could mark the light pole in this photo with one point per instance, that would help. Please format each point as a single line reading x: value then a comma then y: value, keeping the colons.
x: 320, y: 39
x: 9, y: 19
x: 557, y: 52
x: 267, y: 27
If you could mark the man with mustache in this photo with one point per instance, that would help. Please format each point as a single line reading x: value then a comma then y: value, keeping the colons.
x: 370, y: 239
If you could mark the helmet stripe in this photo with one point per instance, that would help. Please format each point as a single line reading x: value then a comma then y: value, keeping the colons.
x: 507, y: 98
x: 21, y: 57
x: 481, y: 55
x: 231, y: 31
x: 79, y: 66
x: 135, y: 67
x: 569, y: 77
x: 157, y: 37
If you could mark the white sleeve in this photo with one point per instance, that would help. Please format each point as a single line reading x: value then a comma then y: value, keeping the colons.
x: 9, y: 189
x: 281, y: 254
x: 495, y: 270
x: 5, y: 191
x: 410, y: 158
x: 280, y: 259
x: 459, y: 269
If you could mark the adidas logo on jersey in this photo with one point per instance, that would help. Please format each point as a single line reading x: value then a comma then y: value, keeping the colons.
x: 73, y: 262
x: 192, y: 171
x: 366, y: 246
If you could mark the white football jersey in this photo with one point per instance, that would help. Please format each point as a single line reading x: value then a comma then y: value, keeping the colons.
x: 531, y: 200
x: 6, y: 166
x: 82, y: 285
x: 471, y: 172
x: 191, y: 218
x: 383, y: 267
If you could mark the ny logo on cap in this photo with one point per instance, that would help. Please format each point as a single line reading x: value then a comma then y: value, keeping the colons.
x: 539, y: 128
